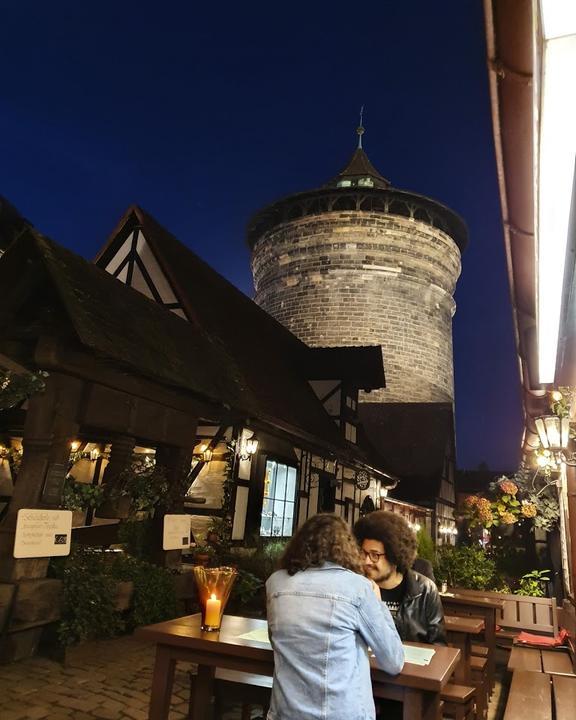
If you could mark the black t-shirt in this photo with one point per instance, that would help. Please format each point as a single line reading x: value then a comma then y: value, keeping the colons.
x: 394, y: 597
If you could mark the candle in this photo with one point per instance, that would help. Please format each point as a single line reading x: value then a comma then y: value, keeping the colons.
x: 213, y: 611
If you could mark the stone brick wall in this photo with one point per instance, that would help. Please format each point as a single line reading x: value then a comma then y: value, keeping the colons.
x: 360, y: 278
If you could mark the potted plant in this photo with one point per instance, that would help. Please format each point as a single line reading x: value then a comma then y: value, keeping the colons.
x: 203, y: 555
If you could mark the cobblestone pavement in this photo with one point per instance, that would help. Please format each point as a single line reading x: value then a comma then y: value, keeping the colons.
x: 109, y: 680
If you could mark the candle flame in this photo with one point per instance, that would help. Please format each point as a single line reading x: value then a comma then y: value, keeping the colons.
x: 213, y: 597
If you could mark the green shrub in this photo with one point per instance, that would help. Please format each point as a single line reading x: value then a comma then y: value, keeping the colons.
x: 468, y: 567
x: 81, y: 496
x: 154, y: 596
x: 247, y: 590
x: 88, y: 597
x: 90, y: 580
x: 426, y: 549
x: 137, y: 537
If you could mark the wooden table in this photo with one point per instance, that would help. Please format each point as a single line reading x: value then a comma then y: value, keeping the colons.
x: 455, y: 603
x: 460, y: 632
x: 417, y: 687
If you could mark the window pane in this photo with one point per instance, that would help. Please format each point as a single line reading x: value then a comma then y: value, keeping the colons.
x: 278, y: 505
x: 288, y: 519
x: 270, y: 479
x: 266, y: 522
x: 291, y: 484
x: 280, y: 490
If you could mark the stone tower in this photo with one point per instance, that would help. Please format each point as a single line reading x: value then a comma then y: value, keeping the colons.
x: 358, y: 262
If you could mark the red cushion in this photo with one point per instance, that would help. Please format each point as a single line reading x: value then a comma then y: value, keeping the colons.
x: 525, y: 638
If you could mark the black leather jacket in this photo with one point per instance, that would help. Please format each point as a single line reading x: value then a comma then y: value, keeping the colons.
x: 420, y: 617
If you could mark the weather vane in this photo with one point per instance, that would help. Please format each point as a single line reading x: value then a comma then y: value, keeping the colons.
x: 360, y: 130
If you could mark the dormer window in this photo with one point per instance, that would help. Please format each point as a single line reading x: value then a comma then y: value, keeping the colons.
x: 344, y: 183
x: 365, y: 182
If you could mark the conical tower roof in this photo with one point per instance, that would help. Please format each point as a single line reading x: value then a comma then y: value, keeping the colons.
x: 359, y: 172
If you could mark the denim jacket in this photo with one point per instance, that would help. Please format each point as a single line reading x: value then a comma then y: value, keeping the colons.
x: 321, y: 622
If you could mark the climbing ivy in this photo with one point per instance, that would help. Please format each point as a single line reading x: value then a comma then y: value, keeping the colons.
x: 17, y: 387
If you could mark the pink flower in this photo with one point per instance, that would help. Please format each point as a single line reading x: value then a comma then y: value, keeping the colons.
x: 508, y: 487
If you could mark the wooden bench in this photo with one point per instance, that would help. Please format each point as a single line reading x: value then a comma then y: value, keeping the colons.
x: 556, y: 661
x: 459, y: 702
x: 477, y: 606
x: 520, y: 612
x: 249, y: 690
x: 539, y: 696
x: 529, y: 697
x: 246, y: 689
x: 481, y: 682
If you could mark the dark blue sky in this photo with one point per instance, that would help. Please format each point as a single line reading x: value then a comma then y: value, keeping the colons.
x: 204, y: 114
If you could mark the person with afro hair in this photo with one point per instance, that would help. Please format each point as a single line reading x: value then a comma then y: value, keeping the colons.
x: 388, y: 547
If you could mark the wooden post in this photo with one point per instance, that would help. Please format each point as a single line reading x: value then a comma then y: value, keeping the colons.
x: 50, y: 426
x: 120, y: 459
x: 176, y: 462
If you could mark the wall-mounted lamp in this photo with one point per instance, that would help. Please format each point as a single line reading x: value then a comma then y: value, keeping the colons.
x: 206, y: 452
x: 553, y: 431
x: 554, y: 436
x: 248, y: 447
x: 75, y: 445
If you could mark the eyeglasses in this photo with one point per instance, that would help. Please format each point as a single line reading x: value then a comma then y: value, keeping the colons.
x: 372, y: 554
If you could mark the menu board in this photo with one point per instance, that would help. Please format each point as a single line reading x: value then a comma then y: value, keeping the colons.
x: 176, y: 532
x: 42, y: 533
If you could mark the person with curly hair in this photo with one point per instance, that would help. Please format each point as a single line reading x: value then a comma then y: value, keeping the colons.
x: 323, y: 614
x: 388, y: 546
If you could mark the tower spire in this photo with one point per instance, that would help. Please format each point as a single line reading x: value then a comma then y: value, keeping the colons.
x: 360, y: 128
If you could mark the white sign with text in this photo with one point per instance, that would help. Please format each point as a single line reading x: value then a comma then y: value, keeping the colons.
x: 176, y: 532
x: 42, y: 533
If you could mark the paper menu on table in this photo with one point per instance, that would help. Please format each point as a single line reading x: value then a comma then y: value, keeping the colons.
x: 418, y: 655
x: 260, y: 635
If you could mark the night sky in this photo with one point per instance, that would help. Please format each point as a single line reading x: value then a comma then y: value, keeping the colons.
x: 202, y: 115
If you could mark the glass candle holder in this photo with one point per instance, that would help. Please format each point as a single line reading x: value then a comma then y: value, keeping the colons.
x: 214, y: 586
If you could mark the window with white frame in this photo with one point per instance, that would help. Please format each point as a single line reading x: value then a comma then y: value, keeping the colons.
x: 278, y: 506
x: 350, y: 432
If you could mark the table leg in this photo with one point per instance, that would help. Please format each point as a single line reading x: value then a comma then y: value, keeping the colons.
x: 463, y: 642
x: 162, y: 682
x: 420, y: 705
x: 203, y: 692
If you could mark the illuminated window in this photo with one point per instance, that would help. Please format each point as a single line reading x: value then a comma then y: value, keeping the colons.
x: 278, y: 507
x: 366, y: 182
x: 344, y: 183
x: 350, y: 432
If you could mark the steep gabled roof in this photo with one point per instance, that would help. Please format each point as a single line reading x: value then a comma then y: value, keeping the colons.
x: 218, y: 308
x: 413, y: 438
x: 121, y: 325
x: 12, y: 224
x: 206, y: 296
